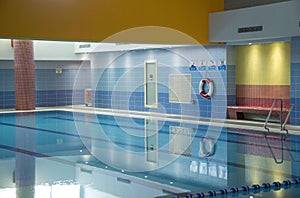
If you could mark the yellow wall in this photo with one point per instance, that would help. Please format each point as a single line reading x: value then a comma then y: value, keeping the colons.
x: 95, y: 20
x: 263, y: 64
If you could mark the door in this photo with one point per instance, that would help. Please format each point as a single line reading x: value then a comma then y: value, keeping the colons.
x: 150, y: 87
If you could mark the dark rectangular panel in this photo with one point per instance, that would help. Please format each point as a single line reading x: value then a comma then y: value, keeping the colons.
x: 250, y: 29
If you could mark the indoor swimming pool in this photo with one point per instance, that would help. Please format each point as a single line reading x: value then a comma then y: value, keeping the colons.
x: 56, y: 153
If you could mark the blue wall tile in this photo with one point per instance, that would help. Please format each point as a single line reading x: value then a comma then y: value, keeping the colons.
x: 121, y: 84
x: 295, y: 80
x: 51, y: 89
x: 231, y: 85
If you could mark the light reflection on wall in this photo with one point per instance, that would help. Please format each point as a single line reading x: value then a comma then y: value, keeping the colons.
x: 263, y: 64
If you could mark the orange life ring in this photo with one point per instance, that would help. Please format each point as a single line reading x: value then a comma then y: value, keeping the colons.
x: 201, y: 88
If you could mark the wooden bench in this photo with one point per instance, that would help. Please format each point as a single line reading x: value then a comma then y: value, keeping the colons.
x: 238, y: 112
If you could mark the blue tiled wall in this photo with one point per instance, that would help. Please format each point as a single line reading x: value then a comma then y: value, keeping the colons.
x: 51, y: 89
x: 231, y: 85
x: 295, y: 80
x: 294, y: 139
x: 118, y: 80
x: 7, y: 85
x: 231, y: 75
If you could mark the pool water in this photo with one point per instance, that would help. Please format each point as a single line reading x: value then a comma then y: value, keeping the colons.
x: 74, y: 154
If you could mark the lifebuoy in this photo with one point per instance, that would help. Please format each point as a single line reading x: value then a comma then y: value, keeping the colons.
x: 207, y: 147
x: 201, y: 88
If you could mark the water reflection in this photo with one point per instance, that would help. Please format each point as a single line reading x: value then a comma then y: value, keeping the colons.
x: 24, y: 174
x: 34, y: 164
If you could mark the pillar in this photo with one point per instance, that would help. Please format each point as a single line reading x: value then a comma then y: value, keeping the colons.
x: 24, y: 75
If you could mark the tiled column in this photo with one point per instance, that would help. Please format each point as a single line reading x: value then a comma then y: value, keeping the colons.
x: 24, y: 75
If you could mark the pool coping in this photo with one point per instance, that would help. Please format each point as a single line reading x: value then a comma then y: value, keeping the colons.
x: 229, y: 123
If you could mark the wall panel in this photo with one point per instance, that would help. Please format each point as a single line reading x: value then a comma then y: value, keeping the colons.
x: 263, y: 74
x: 295, y: 79
x: 119, y: 82
x: 94, y: 20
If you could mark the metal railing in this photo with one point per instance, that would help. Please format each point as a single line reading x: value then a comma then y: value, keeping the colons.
x: 270, y: 113
x: 282, y: 128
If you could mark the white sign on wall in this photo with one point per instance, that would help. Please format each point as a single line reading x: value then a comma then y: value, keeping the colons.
x: 180, y: 90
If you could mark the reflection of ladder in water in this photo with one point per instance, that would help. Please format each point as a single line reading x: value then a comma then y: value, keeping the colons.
x: 283, y: 144
x: 282, y: 128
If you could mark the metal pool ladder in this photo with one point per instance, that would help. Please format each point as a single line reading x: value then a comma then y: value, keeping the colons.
x: 282, y: 124
x: 270, y: 113
x: 282, y: 128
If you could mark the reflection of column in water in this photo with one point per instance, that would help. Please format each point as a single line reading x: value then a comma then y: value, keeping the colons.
x: 25, y: 161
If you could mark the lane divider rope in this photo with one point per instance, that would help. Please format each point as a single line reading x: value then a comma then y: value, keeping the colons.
x: 265, y: 187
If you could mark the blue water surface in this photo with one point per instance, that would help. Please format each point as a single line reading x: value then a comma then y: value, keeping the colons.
x: 158, y: 154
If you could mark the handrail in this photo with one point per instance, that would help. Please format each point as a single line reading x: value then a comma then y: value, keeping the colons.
x: 288, y: 116
x: 283, y: 136
x: 270, y: 113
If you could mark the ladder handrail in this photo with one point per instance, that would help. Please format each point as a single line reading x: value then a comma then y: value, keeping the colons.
x: 270, y: 113
x: 283, y: 136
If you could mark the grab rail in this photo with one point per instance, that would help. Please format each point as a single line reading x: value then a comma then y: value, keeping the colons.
x: 283, y: 136
x: 270, y: 113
